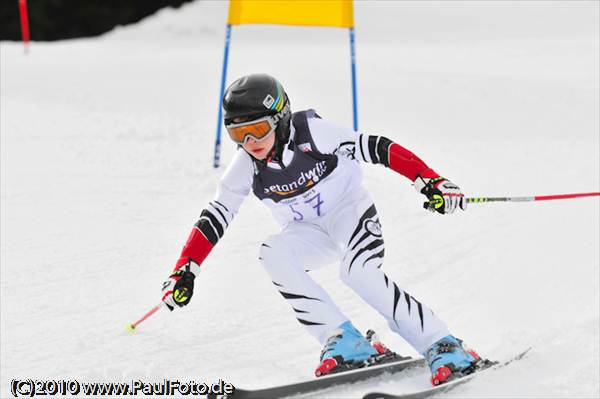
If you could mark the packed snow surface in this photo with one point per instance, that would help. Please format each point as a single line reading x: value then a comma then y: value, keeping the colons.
x: 106, y: 156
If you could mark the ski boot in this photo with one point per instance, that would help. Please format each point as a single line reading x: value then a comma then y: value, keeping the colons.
x: 448, y: 360
x: 344, y: 350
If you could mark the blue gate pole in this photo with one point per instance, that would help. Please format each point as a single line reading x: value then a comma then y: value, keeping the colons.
x: 353, y: 61
x: 217, y: 156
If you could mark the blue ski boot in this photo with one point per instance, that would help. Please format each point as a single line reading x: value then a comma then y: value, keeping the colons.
x: 448, y: 360
x: 345, y: 347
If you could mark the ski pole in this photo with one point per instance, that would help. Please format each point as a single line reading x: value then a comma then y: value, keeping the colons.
x: 478, y: 200
x: 132, y: 326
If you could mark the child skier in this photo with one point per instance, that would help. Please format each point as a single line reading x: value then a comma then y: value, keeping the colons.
x: 307, y: 171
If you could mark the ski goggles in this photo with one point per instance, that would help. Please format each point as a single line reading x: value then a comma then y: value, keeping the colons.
x: 258, y: 129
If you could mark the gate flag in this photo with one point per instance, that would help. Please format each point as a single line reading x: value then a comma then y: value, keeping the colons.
x: 331, y: 13
x: 335, y: 13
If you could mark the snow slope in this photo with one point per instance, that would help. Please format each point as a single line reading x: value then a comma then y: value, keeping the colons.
x: 106, y: 152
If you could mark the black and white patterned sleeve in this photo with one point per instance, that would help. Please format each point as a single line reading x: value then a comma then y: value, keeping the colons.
x: 373, y: 149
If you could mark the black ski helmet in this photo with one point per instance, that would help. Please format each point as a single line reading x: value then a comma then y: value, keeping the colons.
x: 255, y: 96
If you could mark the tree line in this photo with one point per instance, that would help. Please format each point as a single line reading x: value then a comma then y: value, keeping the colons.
x: 67, y: 19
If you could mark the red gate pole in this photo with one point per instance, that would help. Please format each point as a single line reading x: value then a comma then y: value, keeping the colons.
x: 24, y: 23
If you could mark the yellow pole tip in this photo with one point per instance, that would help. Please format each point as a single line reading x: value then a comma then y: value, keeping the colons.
x: 130, y: 328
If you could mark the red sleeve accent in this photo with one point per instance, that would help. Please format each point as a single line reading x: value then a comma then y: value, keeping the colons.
x: 196, y: 248
x: 408, y: 164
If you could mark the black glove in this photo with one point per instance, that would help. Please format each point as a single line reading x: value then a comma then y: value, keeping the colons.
x: 443, y: 195
x: 179, y: 287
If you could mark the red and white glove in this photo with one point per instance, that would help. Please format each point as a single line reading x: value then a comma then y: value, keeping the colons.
x: 443, y: 195
x: 178, y: 289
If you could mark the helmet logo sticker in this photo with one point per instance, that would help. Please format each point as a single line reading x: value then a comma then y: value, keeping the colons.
x: 268, y: 101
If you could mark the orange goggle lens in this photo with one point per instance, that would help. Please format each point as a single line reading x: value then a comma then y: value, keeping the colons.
x: 256, y: 129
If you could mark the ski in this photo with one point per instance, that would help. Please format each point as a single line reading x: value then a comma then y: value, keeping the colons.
x: 426, y: 393
x: 328, y: 381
